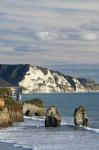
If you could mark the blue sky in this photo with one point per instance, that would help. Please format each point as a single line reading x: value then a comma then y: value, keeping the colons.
x: 47, y: 32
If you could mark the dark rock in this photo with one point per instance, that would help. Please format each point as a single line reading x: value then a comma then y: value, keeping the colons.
x: 37, y: 113
x: 80, y: 116
x: 27, y: 113
x: 53, y: 118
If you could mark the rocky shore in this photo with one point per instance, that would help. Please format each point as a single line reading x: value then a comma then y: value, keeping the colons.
x: 10, y: 110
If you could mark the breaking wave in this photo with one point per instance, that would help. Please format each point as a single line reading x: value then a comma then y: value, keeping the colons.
x: 32, y: 131
x: 39, y: 120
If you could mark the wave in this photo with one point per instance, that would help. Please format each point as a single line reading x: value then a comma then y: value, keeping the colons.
x: 35, y: 118
x: 23, y: 146
x: 12, y: 145
x: 91, y: 129
x: 63, y: 124
x: 82, y: 127
x: 27, y: 134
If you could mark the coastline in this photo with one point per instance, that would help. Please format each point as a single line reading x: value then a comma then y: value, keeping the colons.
x: 61, y: 92
x: 85, y: 92
x: 7, y: 146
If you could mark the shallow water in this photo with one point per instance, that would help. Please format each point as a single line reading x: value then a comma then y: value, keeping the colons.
x: 32, y: 133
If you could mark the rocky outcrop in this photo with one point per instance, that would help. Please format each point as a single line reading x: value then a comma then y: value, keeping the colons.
x: 34, y: 108
x: 53, y: 118
x: 80, y: 116
x: 5, y: 118
x: 17, y: 116
x: 2, y: 103
x: 10, y: 111
x: 41, y: 80
x: 15, y: 110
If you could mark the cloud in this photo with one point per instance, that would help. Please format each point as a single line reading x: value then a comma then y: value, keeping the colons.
x: 47, y: 35
x: 90, y: 26
x: 2, y: 14
x: 49, y: 32
x: 89, y: 36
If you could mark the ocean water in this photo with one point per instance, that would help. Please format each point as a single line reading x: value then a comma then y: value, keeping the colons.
x: 31, y: 134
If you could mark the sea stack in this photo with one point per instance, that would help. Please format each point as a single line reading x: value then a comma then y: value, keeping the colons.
x: 80, y: 116
x: 34, y: 107
x: 53, y: 118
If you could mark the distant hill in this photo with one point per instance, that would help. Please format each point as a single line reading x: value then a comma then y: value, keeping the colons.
x: 13, y: 73
x: 38, y: 79
x: 4, y: 83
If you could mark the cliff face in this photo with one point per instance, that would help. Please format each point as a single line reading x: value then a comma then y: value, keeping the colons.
x: 37, y: 79
x: 10, y: 110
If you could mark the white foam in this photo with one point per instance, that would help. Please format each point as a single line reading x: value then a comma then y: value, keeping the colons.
x: 34, y: 118
x: 86, y: 128
x: 28, y: 135
x: 64, y: 123
x: 91, y: 129
x: 24, y: 146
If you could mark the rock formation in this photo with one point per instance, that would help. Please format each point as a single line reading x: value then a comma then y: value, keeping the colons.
x: 5, y: 118
x: 33, y: 107
x: 80, y: 116
x: 10, y: 111
x: 2, y: 103
x: 41, y: 80
x: 53, y: 118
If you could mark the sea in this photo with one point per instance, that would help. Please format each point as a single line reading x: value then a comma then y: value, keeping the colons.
x: 33, y: 135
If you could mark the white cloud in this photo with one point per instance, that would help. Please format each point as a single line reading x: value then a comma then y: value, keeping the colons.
x: 47, y: 35
x: 49, y: 31
x: 89, y: 36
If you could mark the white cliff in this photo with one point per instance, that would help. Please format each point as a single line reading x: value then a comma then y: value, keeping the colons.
x: 41, y: 80
x: 46, y: 81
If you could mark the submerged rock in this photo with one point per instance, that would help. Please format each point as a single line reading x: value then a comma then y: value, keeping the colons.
x: 80, y: 116
x: 53, y: 118
x: 34, y: 107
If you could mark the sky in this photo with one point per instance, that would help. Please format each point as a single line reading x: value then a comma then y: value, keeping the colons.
x: 49, y: 32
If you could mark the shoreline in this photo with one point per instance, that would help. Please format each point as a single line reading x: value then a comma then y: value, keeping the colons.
x: 61, y: 92
x: 8, y: 146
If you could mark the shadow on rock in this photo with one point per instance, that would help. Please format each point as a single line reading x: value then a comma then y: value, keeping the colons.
x: 53, y: 118
x: 80, y: 116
